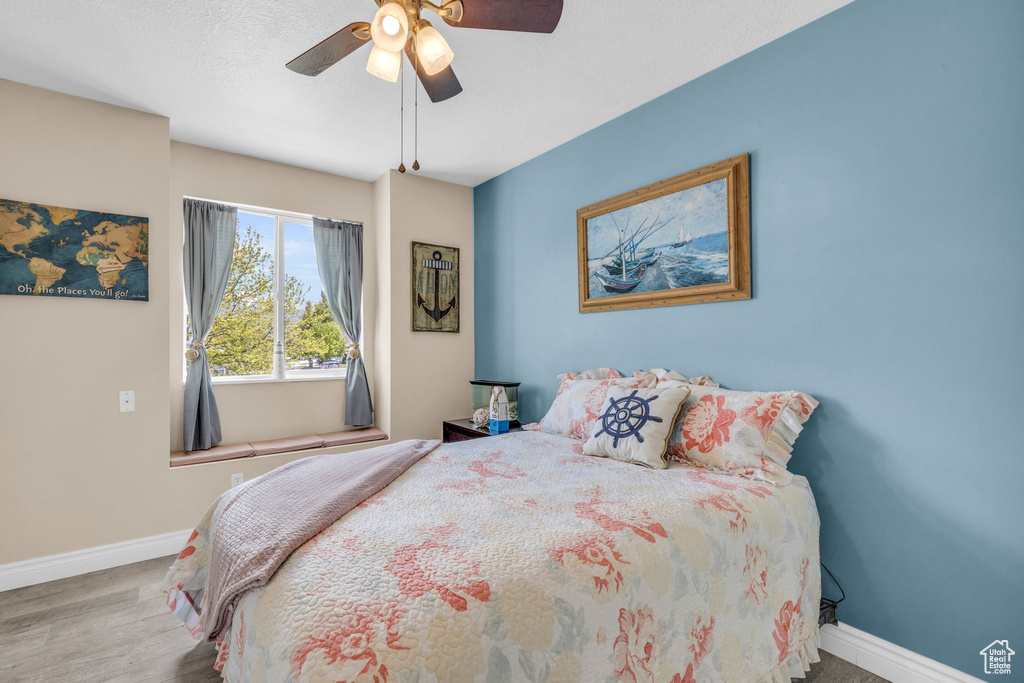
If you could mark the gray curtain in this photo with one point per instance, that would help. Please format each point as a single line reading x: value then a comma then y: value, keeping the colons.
x: 339, y: 258
x: 209, y: 244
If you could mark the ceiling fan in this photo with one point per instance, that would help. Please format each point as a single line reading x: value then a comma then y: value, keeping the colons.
x: 398, y: 27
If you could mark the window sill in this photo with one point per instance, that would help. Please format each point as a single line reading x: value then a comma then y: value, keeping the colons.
x: 295, y: 444
x: 260, y: 379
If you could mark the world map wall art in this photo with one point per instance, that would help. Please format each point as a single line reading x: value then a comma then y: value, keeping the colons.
x: 684, y: 240
x: 52, y: 251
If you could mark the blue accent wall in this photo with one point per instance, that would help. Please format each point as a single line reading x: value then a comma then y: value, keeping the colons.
x: 886, y: 143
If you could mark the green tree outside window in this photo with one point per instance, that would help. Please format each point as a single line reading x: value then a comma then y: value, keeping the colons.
x: 241, y: 341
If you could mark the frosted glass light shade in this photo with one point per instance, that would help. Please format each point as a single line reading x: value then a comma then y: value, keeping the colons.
x: 431, y: 49
x: 390, y: 27
x: 384, y: 64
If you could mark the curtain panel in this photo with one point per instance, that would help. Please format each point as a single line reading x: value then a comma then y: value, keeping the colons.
x: 209, y: 245
x: 339, y: 258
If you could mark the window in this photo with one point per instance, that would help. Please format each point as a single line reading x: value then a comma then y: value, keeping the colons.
x: 274, y: 322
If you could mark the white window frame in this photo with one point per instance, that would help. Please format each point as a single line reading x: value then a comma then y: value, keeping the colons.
x: 278, y: 373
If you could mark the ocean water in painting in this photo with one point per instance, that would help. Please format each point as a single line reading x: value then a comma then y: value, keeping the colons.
x: 671, y: 242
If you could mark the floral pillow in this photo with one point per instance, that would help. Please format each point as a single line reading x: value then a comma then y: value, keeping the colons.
x: 596, y: 373
x: 665, y: 376
x: 578, y: 404
x: 741, y: 432
x: 634, y: 425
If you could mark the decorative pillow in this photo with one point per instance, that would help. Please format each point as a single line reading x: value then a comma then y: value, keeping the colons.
x: 578, y: 404
x: 664, y: 376
x: 634, y: 425
x: 741, y: 432
x: 596, y: 373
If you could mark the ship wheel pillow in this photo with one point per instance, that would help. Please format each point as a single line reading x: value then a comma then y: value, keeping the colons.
x: 748, y: 433
x: 634, y: 424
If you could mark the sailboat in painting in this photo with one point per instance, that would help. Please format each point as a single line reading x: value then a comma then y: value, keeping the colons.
x: 628, y: 269
x: 648, y: 257
x: 620, y: 284
x: 683, y: 238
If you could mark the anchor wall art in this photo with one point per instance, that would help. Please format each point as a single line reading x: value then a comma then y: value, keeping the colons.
x: 435, y: 288
x: 684, y: 240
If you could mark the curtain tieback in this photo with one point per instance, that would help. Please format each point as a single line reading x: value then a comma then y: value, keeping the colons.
x: 353, y: 350
x: 193, y: 350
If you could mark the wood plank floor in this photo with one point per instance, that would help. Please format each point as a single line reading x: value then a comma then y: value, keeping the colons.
x: 114, y: 625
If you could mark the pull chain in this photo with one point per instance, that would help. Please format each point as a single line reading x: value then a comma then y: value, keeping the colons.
x: 416, y: 118
x: 401, y: 136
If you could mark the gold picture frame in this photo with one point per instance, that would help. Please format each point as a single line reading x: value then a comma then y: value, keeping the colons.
x: 625, y: 261
x: 435, y: 288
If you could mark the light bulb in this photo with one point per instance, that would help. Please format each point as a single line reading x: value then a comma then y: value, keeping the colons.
x: 384, y: 64
x: 390, y: 27
x: 431, y: 48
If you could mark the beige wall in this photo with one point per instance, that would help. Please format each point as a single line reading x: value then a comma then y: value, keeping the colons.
x: 381, y: 362
x: 76, y: 473
x: 430, y: 371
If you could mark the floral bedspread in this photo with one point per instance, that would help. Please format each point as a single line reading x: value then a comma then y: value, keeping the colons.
x: 515, y: 558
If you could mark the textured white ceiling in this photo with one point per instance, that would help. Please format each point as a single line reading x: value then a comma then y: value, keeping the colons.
x: 216, y: 69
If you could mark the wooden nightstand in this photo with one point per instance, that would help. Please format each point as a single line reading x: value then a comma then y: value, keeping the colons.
x: 464, y: 430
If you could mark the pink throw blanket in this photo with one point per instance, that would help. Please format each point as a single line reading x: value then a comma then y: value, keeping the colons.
x: 259, y: 524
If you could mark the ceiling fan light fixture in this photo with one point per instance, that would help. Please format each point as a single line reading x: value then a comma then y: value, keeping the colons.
x: 390, y: 26
x: 384, y: 64
x: 432, y: 49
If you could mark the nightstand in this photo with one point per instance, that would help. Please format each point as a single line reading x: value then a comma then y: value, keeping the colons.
x: 464, y: 430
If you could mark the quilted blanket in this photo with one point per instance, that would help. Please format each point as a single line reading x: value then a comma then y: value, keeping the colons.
x: 260, y: 523
x: 515, y: 558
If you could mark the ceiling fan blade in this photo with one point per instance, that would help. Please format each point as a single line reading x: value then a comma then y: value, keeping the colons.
x: 441, y: 86
x: 331, y: 50
x: 533, y: 16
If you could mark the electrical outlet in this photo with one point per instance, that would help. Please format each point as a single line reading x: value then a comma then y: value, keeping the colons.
x: 237, y: 479
x: 126, y: 400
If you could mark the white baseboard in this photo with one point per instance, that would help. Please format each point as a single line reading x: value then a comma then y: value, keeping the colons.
x: 53, y: 567
x: 885, y: 659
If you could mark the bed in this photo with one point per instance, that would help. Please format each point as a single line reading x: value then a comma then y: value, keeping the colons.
x: 517, y: 558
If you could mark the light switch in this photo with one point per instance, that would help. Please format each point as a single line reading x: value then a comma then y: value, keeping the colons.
x: 127, y: 401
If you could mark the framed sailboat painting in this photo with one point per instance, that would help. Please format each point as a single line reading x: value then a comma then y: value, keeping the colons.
x: 684, y: 240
